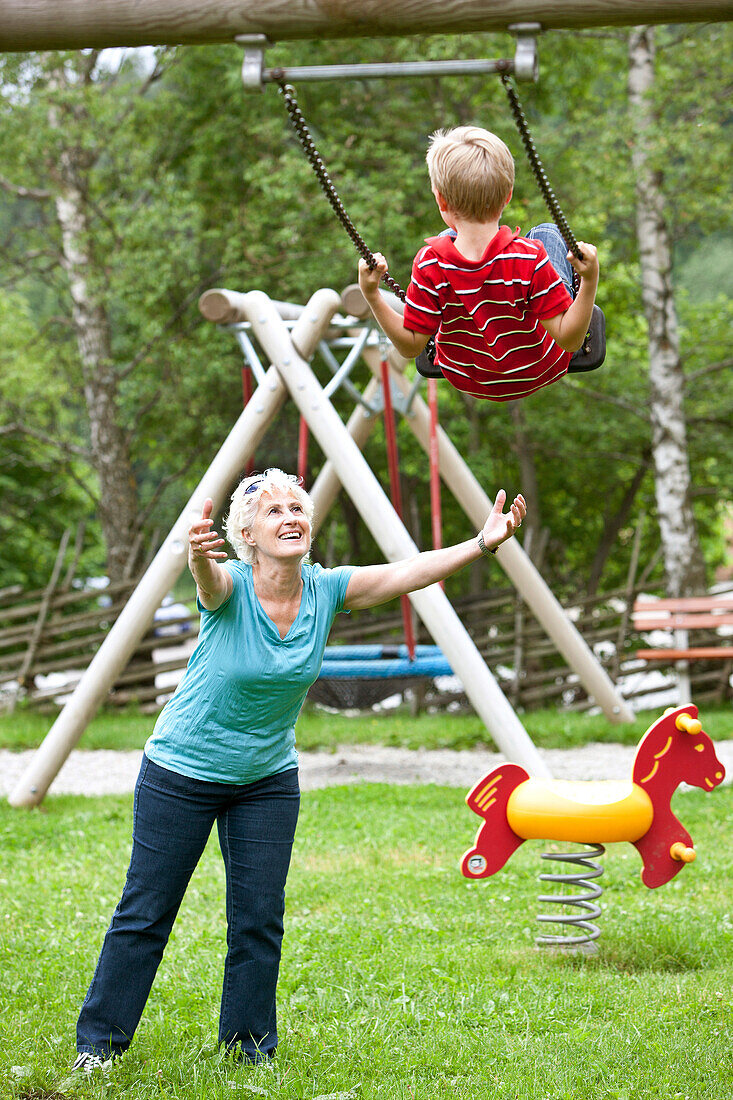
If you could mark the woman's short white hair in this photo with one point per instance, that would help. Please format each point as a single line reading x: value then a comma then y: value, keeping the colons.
x: 246, y: 502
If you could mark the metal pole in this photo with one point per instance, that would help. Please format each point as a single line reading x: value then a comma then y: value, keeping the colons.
x: 388, y: 70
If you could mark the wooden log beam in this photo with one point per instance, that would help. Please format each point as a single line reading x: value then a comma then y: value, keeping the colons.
x: 76, y: 24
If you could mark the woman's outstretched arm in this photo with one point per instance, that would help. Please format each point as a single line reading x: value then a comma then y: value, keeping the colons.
x: 374, y: 584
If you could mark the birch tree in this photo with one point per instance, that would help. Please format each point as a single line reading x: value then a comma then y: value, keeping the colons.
x: 109, y: 442
x: 95, y: 247
x: 683, y: 558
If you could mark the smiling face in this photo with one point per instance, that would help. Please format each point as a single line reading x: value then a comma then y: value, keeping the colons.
x: 281, y: 529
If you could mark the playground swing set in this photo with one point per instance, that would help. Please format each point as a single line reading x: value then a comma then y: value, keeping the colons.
x: 518, y: 800
x: 590, y: 355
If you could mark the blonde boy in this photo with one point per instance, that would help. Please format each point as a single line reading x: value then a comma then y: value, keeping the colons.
x: 505, y: 320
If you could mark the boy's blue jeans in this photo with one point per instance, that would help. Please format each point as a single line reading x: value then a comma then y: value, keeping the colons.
x: 172, y: 818
x: 557, y: 250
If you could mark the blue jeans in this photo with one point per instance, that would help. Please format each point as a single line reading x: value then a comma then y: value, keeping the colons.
x: 557, y: 250
x: 172, y: 819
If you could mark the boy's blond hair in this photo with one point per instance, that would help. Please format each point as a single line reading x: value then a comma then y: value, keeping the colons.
x: 472, y: 169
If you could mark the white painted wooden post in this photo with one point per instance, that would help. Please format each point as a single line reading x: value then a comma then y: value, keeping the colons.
x: 171, y: 559
x: 327, y: 485
x: 431, y: 603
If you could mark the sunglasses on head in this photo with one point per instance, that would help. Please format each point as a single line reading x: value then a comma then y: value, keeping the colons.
x: 254, y: 485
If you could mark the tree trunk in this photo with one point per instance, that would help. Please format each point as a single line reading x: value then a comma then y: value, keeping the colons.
x: 109, y: 444
x: 683, y: 558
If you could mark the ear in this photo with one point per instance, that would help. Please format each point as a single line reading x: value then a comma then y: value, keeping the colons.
x: 508, y: 199
x: 442, y: 204
x: 247, y: 536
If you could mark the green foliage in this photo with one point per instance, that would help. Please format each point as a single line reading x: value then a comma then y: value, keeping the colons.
x: 43, y: 491
x: 198, y: 183
x: 399, y: 978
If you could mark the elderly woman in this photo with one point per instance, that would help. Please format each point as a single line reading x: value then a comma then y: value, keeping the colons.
x: 223, y: 750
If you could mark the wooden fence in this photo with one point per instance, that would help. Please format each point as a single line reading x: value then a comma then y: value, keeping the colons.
x: 48, y: 637
x: 527, y: 665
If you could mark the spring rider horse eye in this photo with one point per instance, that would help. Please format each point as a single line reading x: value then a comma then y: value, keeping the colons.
x: 516, y: 808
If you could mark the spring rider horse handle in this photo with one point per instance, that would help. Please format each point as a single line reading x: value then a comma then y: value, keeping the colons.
x: 516, y: 807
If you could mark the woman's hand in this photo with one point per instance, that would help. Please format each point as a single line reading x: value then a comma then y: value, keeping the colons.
x: 203, y: 541
x: 371, y: 585
x: 501, y: 525
x: 213, y: 584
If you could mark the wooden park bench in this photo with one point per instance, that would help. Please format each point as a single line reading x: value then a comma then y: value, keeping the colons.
x: 682, y: 616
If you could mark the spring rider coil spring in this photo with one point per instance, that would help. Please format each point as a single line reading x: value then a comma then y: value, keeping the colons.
x: 586, y: 932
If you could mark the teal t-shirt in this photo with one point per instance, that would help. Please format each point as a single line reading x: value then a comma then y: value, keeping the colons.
x: 232, y: 718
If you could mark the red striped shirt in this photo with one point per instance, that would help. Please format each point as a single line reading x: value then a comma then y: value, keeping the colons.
x: 487, y: 314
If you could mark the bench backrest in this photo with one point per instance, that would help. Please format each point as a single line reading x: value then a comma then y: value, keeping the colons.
x: 685, y: 613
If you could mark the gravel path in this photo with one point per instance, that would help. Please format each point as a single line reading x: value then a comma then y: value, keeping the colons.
x: 108, y: 772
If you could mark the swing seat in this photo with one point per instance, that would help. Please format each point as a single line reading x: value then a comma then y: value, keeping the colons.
x: 593, y: 352
x: 588, y: 357
x: 425, y: 361
x: 359, y: 676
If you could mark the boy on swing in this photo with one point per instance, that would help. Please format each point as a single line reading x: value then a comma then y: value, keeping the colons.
x: 501, y: 305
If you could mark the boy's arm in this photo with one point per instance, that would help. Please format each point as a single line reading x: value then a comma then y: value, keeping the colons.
x: 568, y: 329
x: 408, y: 343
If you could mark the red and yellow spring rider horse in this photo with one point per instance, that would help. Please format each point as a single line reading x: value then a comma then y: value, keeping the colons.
x: 516, y: 807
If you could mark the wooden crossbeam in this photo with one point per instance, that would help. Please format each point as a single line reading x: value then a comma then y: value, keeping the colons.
x: 78, y: 24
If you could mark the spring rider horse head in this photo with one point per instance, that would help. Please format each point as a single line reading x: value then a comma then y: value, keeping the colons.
x: 516, y: 808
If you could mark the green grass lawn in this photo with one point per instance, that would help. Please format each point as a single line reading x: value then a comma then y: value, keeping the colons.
x: 400, y: 979
x: 317, y: 729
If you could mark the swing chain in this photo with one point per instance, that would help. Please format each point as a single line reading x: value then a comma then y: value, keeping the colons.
x: 300, y: 127
x: 538, y: 170
x: 309, y: 148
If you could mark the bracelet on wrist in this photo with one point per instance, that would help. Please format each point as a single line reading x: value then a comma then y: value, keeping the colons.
x: 482, y: 545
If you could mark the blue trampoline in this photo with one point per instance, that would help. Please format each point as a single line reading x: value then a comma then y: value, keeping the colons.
x: 361, y: 675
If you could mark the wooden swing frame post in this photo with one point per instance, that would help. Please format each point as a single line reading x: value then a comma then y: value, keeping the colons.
x: 354, y: 473
x: 170, y: 561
